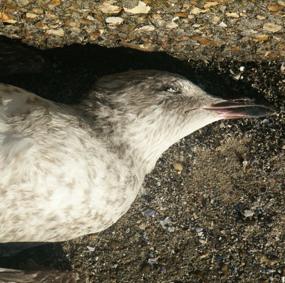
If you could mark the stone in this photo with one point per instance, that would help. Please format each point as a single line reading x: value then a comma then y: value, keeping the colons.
x: 197, y: 11
x: 275, y: 7
x: 223, y: 25
x: 6, y: 18
x: 178, y: 167
x: 248, y: 213
x: 108, y: 8
x: 114, y: 21
x: 146, y: 28
x: 141, y: 8
x: 271, y: 27
x: 210, y: 4
x: 261, y: 18
x: 31, y: 15
x: 56, y: 32
x: 172, y: 24
x: 129, y: 4
x: 261, y: 37
x: 232, y: 15
x: 23, y: 3
x: 215, y: 19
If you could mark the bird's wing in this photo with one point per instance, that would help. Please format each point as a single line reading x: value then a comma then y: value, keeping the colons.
x: 15, y: 101
x: 16, y: 105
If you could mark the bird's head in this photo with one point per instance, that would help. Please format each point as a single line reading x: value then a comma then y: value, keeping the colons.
x: 156, y: 108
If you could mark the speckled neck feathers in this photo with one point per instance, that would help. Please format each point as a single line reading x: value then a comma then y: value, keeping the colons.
x: 141, y: 115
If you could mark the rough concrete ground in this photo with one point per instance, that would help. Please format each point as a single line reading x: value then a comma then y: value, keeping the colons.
x: 213, y: 208
x: 246, y: 30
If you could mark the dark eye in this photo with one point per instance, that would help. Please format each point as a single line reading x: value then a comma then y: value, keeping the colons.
x: 171, y: 89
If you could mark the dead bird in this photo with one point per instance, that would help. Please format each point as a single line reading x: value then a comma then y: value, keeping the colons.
x: 68, y: 171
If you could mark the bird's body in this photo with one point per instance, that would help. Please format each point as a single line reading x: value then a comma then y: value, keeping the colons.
x: 67, y: 171
x: 59, y: 178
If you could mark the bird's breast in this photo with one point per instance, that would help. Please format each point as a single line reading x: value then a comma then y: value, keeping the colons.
x: 58, y: 182
x: 60, y: 202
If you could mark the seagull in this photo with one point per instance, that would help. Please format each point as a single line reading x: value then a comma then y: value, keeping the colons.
x: 71, y: 170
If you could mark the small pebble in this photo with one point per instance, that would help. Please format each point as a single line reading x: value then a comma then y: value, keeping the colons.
x: 109, y: 8
x: 149, y: 213
x: 23, y: 2
x: 6, y: 18
x: 113, y: 21
x: 166, y: 224
x: 200, y: 232
x: 210, y: 4
x: 261, y: 18
x: 129, y: 4
x: 197, y: 11
x: 271, y: 27
x: 141, y: 8
x: 215, y: 20
x: 232, y: 15
x: 172, y: 25
x: 178, y: 167
x: 222, y: 25
x: 152, y: 261
x: 261, y: 37
x: 31, y: 15
x: 245, y: 164
x: 275, y: 7
x: 146, y: 28
x: 56, y: 32
x: 248, y: 213
x: 282, y: 68
x: 90, y: 249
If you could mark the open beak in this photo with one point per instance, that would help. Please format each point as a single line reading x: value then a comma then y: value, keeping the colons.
x: 240, y: 108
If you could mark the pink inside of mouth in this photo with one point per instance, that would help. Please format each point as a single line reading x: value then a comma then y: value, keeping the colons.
x: 226, y: 114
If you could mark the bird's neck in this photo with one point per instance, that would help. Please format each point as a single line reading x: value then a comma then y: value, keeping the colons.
x: 146, y: 138
x: 142, y: 138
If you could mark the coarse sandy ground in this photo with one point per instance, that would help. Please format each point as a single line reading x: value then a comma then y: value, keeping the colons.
x: 213, y: 208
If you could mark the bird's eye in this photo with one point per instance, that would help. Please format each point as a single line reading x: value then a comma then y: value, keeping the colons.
x: 171, y: 89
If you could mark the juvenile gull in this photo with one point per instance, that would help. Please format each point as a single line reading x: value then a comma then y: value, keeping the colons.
x: 68, y: 171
